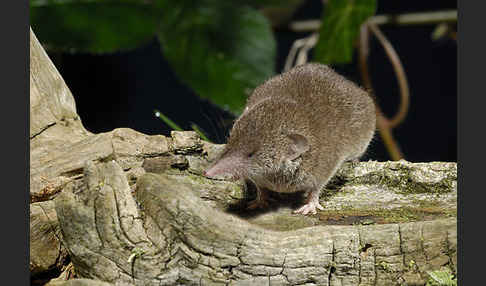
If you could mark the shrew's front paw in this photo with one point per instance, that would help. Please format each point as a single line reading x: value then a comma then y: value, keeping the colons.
x: 310, y: 207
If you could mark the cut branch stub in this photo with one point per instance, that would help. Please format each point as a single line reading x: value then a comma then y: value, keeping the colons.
x: 175, y: 237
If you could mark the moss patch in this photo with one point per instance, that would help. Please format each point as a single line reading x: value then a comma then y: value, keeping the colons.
x: 404, y: 184
x: 419, y: 212
x: 402, y: 177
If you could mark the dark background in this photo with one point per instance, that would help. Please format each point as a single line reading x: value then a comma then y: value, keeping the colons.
x: 123, y: 89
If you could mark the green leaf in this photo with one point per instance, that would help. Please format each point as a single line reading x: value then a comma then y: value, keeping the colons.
x: 93, y: 26
x: 340, y: 26
x: 221, y: 49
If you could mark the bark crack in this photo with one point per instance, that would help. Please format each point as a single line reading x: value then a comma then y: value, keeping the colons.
x: 449, y: 253
x: 97, y: 225
x: 42, y: 130
x: 54, y: 232
x: 117, y: 207
x: 401, y: 245
x: 375, y: 268
x: 422, y: 243
x: 331, y: 266
x: 283, y: 268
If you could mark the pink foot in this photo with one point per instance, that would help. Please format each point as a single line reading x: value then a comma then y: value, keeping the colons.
x: 310, y: 207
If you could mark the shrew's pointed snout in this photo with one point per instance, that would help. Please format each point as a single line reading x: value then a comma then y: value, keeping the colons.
x: 212, y: 171
x: 206, y: 173
x: 225, y: 168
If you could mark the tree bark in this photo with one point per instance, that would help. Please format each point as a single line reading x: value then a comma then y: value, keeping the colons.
x: 169, y: 235
x: 133, y: 209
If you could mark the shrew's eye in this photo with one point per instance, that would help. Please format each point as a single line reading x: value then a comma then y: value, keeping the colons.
x: 251, y: 154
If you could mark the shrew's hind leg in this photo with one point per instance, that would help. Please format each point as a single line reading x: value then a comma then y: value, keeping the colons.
x: 261, y: 200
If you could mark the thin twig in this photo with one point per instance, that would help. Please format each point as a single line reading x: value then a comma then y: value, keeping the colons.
x: 303, y: 54
x: 304, y: 45
x: 453, y: 35
x: 388, y: 139
x: 363, y: 52
x: 422, y: 18
x: 400, y: 74
x: 381, y: 121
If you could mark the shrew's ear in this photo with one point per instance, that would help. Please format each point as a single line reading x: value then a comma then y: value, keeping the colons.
x: 298, y: 145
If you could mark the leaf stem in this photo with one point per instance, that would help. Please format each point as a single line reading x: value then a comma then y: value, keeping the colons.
x: 198, y: 130
x: 166, y: 120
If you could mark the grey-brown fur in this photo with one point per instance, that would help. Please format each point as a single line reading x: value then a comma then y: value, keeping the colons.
x: 299, y: 126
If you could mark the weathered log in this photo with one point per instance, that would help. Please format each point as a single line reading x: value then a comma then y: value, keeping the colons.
x: 59, y: 146
x: 170, y: 235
